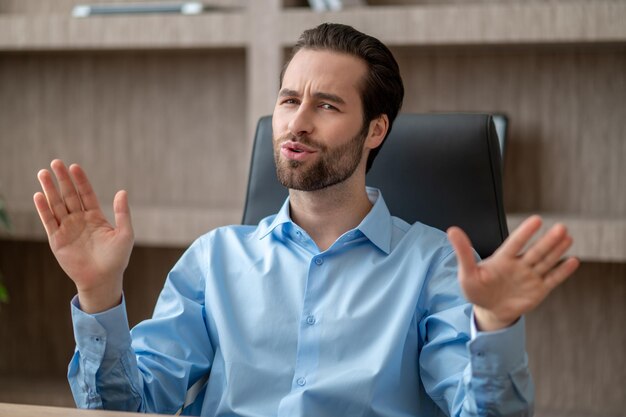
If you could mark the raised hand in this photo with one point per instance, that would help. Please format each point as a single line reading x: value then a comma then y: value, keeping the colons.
x: 511, y: 283
x: 92, y: 252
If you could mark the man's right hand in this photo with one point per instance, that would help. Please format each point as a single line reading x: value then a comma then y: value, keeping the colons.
x: 92, y: 252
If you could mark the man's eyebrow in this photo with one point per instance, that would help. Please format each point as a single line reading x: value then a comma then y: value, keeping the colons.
x: 329, y: 97
x: 285, y: 92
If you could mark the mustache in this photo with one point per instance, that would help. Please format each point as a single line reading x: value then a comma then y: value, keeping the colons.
x: 303, y: 139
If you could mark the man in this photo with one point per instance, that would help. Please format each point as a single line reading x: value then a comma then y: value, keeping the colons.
x: 332, y: 307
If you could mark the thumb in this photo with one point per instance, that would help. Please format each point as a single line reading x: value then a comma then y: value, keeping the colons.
x: 464, y: 253
x: 121, y: 211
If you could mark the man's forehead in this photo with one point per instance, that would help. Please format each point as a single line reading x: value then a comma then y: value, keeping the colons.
x: 323, y: 70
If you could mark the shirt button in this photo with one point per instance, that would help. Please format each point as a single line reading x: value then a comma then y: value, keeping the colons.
x: 319, y: 261
x: 310, y: 320
x: 301, y: 382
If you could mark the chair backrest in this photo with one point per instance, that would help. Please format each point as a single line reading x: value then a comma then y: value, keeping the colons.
x: 439, y: 169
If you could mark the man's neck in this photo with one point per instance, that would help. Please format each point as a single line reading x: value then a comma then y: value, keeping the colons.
x: 328, y: 213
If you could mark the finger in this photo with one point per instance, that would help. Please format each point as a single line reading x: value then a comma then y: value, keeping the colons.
x: 68, y: 191
x: 55, y: 202
x: 516, y: 241
x: 542, y: 247
x: 85, y: 190
x: 552, y: 258
x: 561, y: 273
x: 45, y: 214
x: 121, y: 211
x: 463, y: 249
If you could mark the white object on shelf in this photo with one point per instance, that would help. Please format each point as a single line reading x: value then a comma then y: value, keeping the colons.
x: 333, y: 5
x: 86, y: 10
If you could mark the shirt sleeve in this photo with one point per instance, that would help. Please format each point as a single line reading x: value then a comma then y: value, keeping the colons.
x: 100, y: 371
x: 150, y: 368
x: 467, y: 372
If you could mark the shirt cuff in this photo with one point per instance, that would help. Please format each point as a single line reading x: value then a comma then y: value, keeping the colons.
x: 500, y: 351
x: 98, y: 333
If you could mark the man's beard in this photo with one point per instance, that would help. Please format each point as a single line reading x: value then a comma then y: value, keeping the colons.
x: 334, y: 165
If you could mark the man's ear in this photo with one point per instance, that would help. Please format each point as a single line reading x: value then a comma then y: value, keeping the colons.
x: 377, y: 131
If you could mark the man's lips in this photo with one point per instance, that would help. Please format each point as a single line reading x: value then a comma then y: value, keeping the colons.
x: 296, y: 151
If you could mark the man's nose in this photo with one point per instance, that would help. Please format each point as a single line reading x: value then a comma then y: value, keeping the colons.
x: 301, y: 122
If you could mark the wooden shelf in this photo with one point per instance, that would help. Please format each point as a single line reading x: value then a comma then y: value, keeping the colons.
x: 61, y: 32
x: 160, y: 226
x: 432, y: 24
x: 483, y: 23
x: 595, y: 239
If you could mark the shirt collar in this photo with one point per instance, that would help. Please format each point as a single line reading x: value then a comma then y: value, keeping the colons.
x: 268, y: 224
x: 376, y: 226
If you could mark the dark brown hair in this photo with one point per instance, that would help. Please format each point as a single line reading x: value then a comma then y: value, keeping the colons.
x: 382, y: 90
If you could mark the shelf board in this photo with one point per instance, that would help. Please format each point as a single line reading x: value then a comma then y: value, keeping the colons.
x: 430, y: 24
x: 170, y: 227
x: 595, y: 239
x: 482, y: 23
x: 60, y: 32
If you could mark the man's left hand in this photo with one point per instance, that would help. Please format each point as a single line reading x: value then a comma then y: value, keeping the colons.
x: 512, y: 282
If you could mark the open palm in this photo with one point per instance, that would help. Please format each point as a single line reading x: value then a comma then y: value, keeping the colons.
x: 511, y: 283
x: 92, y: 252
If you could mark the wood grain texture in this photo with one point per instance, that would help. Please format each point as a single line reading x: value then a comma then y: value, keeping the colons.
x: 265, y: 61
x: 167, y: 127
x: 35, y: 327
x: 595, y: 239
x: 566, y: 151
x: 39, y: 390
x: 125, y: 32
x: 470, y: 23
x: 576, y: 343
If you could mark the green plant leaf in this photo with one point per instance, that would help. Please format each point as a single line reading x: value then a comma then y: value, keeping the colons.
x: 4, y: 294
x: 4, y: 216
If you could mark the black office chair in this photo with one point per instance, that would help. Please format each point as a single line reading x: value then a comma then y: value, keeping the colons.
x: 439, y: 169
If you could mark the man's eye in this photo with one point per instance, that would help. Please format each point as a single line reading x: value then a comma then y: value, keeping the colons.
x: 289, y: 101
x: 327, y: 106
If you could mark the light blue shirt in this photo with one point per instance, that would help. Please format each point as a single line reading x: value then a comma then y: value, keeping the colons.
x: 375, y: 325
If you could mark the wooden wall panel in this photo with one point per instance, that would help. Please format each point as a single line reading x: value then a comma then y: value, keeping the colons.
x: 35, y: 327
x: 169, y: 126
x: 576, y: 342
x: 566, y: 149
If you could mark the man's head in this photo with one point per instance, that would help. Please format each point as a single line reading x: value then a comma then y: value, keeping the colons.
x: 347, y: 63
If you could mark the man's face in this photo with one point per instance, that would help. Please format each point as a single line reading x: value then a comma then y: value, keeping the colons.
x: 318, y: 120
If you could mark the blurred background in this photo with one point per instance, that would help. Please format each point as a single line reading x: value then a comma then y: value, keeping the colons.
x: 164, y: 105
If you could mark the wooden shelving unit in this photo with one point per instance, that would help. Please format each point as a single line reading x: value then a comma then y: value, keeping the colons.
x: 165, y: 107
